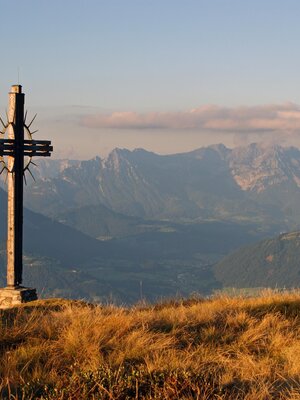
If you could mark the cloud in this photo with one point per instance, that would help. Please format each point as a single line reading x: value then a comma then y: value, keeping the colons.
x: 267, y: 118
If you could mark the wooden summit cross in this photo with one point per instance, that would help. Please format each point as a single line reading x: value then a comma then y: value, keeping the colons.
x: 18, y: 153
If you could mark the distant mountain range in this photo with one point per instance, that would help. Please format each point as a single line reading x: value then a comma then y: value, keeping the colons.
x: 253, y: 183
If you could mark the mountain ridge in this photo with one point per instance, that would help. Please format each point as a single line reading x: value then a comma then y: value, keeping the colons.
x: 255, y: 182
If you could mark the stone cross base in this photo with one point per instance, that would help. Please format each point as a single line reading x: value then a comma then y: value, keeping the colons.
x: 10, y: 297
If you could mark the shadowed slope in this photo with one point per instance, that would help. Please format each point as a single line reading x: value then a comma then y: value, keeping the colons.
x: 269, y: 263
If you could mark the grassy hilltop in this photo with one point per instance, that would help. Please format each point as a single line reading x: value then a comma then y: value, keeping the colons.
x: 223, y: 348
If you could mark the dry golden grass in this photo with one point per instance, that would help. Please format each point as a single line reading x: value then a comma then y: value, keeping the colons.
x: 223, y: 348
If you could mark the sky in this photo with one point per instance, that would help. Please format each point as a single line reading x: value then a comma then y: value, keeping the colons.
x: 165, y: 75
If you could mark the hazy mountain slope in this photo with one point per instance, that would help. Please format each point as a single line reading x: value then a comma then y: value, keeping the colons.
x: 269, y: 263
x: 49, y: 238
x: 167, y: 258
x: 100, y: 222
x: 53, y: 253
x: 51, y: 168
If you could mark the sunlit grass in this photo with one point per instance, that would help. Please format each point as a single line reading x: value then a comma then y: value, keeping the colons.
x: 222, y: 348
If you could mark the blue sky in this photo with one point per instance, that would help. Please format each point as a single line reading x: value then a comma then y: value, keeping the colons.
x: 116, y: 73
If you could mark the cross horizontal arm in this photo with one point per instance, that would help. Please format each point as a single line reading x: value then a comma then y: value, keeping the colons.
x: 37, y: 153
x: 38, y: 142
x: 30, y: 148
x: 6, y: 147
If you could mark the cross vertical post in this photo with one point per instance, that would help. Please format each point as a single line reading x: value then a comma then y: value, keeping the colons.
x: 15, y: 188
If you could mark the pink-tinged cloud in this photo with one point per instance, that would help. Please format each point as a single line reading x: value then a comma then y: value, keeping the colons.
x: 267, y: 118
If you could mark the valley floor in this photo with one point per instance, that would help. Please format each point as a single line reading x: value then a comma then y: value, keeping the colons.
x: 222, y: 348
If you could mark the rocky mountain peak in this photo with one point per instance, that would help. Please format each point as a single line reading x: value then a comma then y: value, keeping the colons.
x: 257, y: 166
x: 221, y: 149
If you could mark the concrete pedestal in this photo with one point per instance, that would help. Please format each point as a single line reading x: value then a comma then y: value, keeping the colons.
x: 12, y: 296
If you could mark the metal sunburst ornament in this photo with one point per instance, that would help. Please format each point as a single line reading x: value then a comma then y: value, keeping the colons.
x: 31, y: 147
x: 8, y: 145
